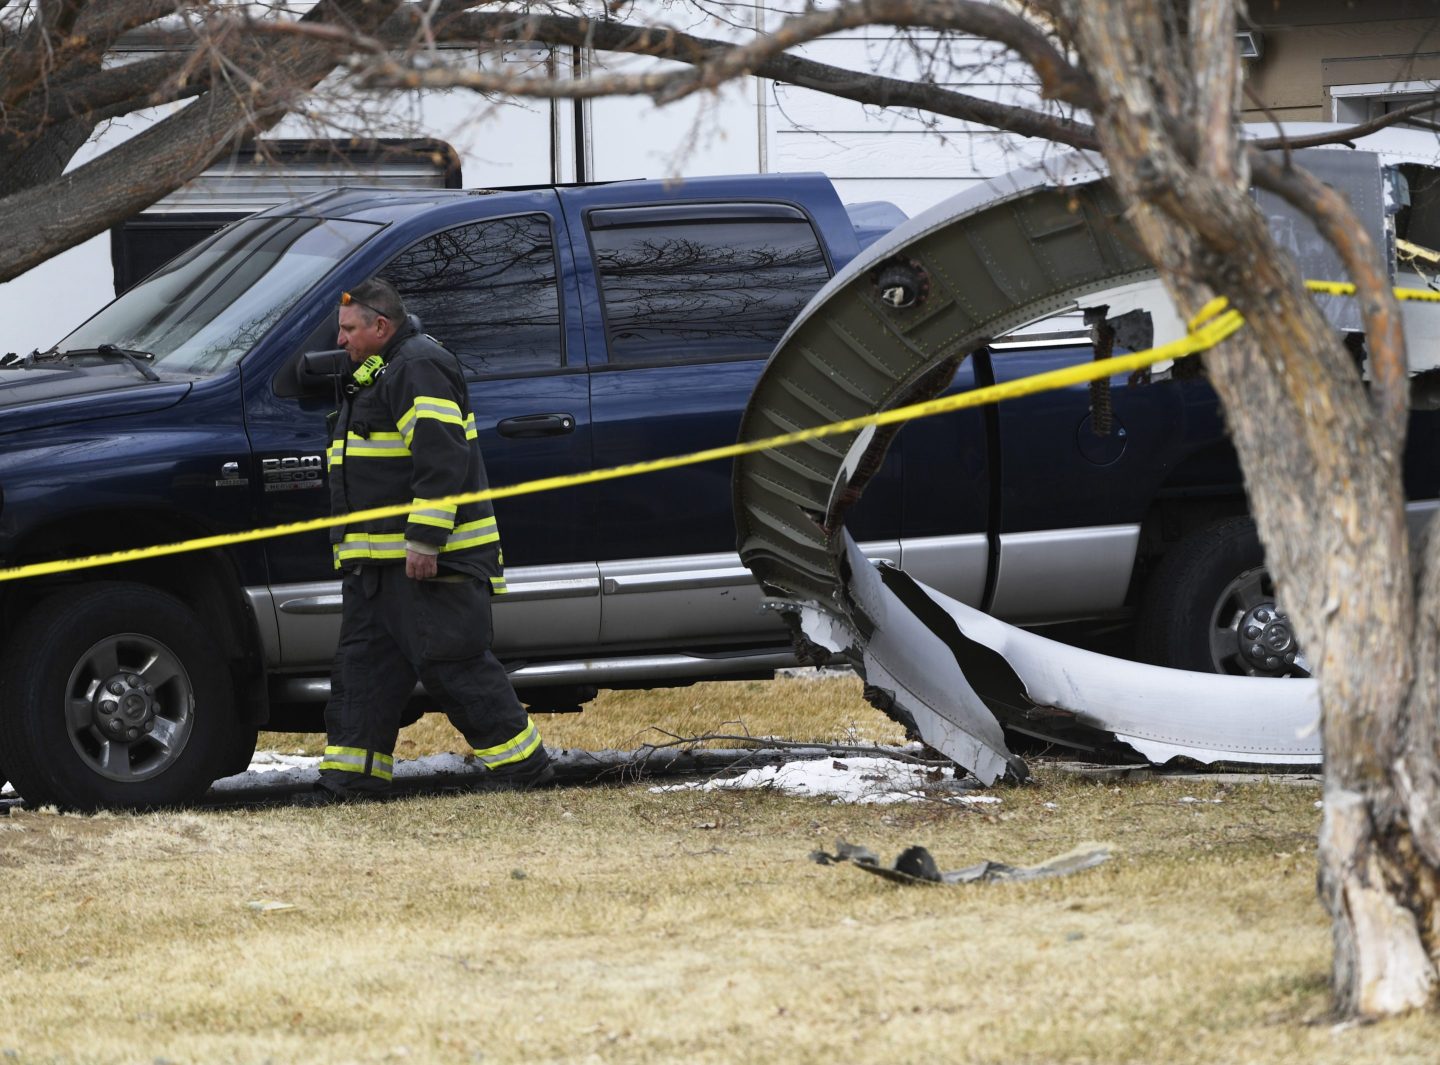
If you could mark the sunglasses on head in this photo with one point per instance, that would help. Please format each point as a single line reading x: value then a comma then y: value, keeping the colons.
x: 346, y: 300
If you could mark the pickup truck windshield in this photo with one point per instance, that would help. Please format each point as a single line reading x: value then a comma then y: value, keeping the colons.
x: 201, y: 312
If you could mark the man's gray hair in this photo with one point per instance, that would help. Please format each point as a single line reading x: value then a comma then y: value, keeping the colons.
x: 378, y: 297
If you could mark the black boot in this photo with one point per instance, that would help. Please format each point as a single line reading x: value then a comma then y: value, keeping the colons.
x: 336, y: 787
x: 530, y: 774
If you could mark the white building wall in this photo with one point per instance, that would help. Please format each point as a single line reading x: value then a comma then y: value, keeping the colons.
x: 42, y: 305
x: 700, y: 135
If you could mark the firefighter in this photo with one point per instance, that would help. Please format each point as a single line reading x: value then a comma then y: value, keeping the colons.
x: 417, y: 587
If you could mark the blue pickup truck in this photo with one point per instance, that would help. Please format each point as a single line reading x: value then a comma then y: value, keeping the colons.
x: 597, y: 326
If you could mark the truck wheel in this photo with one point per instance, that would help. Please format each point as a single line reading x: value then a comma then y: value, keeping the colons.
x: 1210, y: 607
x: 114, y: 695
x: 241, y: 751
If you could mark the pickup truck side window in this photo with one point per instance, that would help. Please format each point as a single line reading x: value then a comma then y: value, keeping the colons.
x: 703, y: 282
x: 488, y: 292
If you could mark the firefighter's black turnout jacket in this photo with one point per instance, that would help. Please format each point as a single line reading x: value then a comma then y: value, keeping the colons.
x: 410, y: 437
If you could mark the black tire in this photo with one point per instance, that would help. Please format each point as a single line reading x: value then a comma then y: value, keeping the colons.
x: 241, y: 749
x: 1210, y: 607
x: 80, y: 728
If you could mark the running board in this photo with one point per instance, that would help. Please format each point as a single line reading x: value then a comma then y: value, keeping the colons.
x: 599, y: 672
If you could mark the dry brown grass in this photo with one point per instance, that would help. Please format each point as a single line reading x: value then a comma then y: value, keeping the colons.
x: 619, y: 925
x: 613, y: 924
x: 823, y: 708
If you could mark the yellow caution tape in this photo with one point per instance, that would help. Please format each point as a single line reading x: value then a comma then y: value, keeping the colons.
x: 1345, y: 288
x: 1212, y: 324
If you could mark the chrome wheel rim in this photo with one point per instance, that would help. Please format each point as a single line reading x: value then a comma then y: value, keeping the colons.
x: 129, y: 707
x: 1250, y: 635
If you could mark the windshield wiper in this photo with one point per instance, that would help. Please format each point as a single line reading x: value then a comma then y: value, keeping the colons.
x: 112, y: 351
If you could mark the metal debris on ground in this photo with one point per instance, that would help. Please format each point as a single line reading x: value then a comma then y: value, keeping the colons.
x: 916, y: 865
x: 1014, y: 250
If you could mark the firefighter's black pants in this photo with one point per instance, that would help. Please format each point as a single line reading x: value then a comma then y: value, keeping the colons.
x: 395, y: 630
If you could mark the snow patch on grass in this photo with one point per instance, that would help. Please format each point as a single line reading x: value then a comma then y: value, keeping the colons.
x: 865, y: 781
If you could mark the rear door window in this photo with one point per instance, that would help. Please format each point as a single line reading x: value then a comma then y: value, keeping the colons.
x: 702, y: 282
x: 488, y: 291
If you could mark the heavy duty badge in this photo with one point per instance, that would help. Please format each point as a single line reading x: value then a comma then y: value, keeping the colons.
x: 292, y: 473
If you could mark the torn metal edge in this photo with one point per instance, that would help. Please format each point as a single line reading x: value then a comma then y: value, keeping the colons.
x: 1160, y: 713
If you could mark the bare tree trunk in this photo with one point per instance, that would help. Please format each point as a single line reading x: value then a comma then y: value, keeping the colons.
x: 1322, y: 467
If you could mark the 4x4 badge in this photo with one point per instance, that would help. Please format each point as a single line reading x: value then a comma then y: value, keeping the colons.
x: 230, y: 476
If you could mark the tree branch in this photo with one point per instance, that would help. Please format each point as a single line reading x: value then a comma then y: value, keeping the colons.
x: 1384, y: 338
x: 95, y: 30
x: 28, y: 61
x: 607, y: 36
x: 47, y: 218
x: 141, y: 84
x: 39, y: 140
x: 1349, y: 133
x: 1216, y: 70
x: 1058, y: 79
x: 453, y: 26
x: 716, y: 62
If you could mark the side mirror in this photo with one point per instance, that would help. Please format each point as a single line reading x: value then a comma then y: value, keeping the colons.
x: 317, y: 371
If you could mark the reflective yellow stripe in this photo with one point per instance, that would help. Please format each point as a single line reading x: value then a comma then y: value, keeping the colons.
x: 353, y: 759
x: 470, y: 433
x: 385, y: 539
x: 376, y: 446
x: 440, y: 515
x: 472, y: 534
x: 360, y: 551
x: 442, y: 410
x: 370, y: 545
x: 439, y: 507
x: 512, y: 750
x: 386, y: 545
x: 335, y: 455
x: 497, y: 586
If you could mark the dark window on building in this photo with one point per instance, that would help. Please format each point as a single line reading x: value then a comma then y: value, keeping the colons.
x: 703, y: 282
x: 488, y: 292
x: 141, y: 245
x: 255, y: 176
